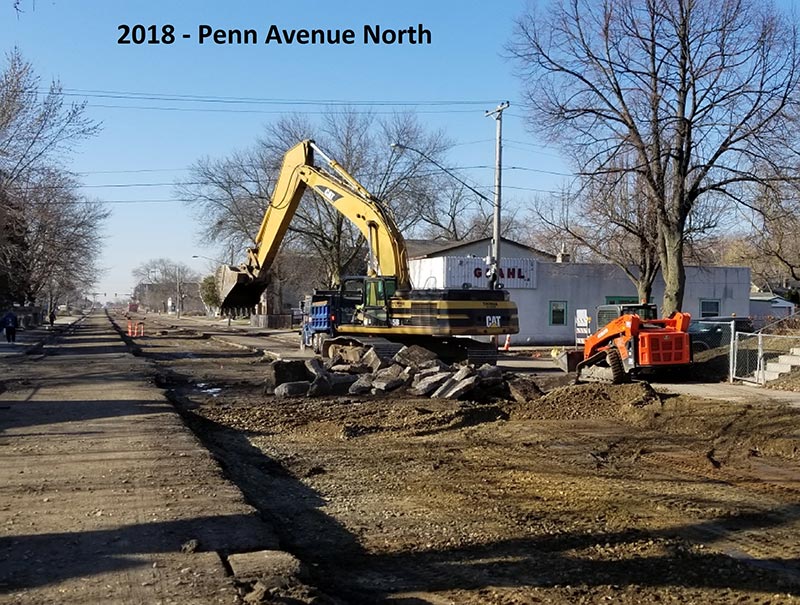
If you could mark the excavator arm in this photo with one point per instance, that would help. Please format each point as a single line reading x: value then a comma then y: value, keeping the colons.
x: 241, y: 286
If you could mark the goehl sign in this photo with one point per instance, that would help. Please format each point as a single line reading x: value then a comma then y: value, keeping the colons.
x: 515, y: 273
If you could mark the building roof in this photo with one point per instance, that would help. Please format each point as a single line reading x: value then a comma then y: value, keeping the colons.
x: 770, y: 297
x: 423, y: 248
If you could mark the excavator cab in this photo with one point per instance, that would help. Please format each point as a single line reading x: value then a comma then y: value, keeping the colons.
x: 373, y: 309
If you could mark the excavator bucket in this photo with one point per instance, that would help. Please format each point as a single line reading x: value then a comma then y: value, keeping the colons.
x: 237, y: 288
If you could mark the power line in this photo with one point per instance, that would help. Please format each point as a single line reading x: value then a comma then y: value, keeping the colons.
x: 140, y: 170
x: 231, y: 100
x: 186, y: 98
x: 262, y: 111
x: 537, y: 150
x: 250, y: 181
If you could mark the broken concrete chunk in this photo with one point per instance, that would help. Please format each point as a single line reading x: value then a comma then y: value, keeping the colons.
x: 340, y: 383
x: 414, y: 356
x: 375, y: 361
x: 320, y: 387
x: 523, y: 389
x: 333, y: 360
x: 408, y: 375
x: 292, y: 389
x: 361, y: 386
x: 490, y: 375
x: 464, y: 372
x: 393, y: 371
x: 351, y: 368
x: 387, y: 384
x: 315, y: 367
x: 490, y: 371
x: 452, y: 381
x: 282, y: 371
x: 461, y: 387
x: 428, y: 372
x: 430, y: 383
x: 443, y: 388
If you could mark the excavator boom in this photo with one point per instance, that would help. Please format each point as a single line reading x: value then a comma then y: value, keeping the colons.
x: 241, y: 286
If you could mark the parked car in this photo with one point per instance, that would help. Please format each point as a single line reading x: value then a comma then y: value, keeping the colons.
x: 712, y: 332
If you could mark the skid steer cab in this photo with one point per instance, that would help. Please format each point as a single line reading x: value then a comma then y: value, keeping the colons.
x: 632, y: 341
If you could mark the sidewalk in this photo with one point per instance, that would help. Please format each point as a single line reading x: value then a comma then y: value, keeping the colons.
x: 105, y: 495
x: 31, y: 337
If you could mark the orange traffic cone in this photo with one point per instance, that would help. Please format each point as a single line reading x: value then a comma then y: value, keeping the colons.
x: 507, y: 346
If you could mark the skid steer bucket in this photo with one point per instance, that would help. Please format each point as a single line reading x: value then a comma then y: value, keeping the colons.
x: 237, y: 288
x: 568, y: 361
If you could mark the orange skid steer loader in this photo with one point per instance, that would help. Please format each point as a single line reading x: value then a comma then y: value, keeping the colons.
x: 635, y: 343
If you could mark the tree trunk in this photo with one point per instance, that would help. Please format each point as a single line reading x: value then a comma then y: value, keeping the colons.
x: 673, y: 270
x: 644, y: 290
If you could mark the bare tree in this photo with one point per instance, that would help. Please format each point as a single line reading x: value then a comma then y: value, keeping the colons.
x: 35, y: 128
x: 63, y: 235
x: 701, y: 93
x: 44, y: 226
x: 615, y: 219
x: 228, y: 196
x: 162, y: 280
x: 231, y: 196
x: 13, y: 250
x: 775, y: 245
x: 361, y: 143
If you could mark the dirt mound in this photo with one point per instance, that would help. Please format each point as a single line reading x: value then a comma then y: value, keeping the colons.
x: 586, y: 401
x: 732, y: 431
x: 346, y: 418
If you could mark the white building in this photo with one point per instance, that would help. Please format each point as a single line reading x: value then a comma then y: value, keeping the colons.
x: 548, y: 292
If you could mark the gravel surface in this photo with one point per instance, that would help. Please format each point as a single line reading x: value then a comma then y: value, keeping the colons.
x: 586, y: 494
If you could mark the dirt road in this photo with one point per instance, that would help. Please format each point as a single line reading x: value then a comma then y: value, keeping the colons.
x: 589, y: 494
x: 105, y: 495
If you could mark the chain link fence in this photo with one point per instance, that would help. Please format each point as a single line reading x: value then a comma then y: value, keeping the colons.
x: 767, y: 354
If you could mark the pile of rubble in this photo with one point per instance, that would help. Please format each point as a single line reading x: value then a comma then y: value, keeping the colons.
x: 416, y: 370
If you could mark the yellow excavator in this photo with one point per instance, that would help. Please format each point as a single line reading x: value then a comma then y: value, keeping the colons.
x: 380, y: 309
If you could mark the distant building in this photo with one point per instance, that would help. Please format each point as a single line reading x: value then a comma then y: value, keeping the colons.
x: 766, y: 307
x: 548, y: 292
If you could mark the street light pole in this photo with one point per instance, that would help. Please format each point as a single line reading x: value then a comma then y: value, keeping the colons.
x: 494, y: 263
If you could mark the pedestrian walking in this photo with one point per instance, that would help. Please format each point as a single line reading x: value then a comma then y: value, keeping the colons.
x: 52, y: 318
x: 10, y: 323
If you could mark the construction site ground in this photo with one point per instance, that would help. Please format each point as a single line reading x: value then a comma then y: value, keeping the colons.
x: 146, y: 473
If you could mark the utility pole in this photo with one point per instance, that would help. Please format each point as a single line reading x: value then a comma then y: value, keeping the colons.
x: 494, y: 256
x: 180, y: 294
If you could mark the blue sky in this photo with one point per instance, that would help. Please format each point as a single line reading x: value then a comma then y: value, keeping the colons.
x: 76, y: 42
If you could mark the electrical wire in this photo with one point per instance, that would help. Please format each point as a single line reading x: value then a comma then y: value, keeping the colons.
x: 190, y: 98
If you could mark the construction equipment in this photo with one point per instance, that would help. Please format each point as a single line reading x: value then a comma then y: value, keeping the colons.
x: 381, y: 306
x: 634, y: 341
